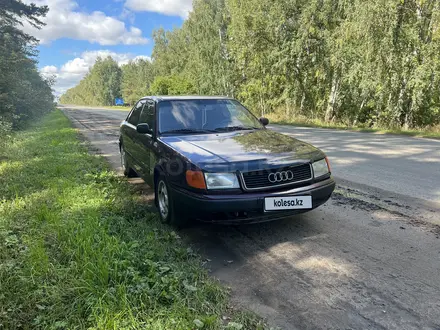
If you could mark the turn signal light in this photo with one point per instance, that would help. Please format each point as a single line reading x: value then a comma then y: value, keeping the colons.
x: 328, y: 164
x: 195, y: 179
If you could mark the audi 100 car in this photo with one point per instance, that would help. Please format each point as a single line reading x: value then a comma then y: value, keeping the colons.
x: 211, y: 159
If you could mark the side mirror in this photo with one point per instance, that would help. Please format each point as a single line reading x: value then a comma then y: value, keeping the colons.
x: 264, y: 121
x: 144, y: 129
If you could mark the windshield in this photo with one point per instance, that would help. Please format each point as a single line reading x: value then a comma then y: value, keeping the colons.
x: 204, y: 116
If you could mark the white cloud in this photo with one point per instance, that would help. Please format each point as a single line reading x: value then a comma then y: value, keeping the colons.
x: 167, y: 7
x: 50, y: 69
x: 65, y: 20
x: 127, y: 15
x: 71, y: 72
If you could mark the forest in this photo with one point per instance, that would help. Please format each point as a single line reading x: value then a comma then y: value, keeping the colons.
x: 24, y: 93
x: 374, y: 63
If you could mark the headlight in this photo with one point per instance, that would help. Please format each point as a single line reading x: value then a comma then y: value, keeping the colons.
x: 221, y: 181
x: 320, y: 168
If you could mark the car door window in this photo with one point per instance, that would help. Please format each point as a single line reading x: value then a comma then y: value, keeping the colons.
x: 135, y: 113
x: 147, y: 115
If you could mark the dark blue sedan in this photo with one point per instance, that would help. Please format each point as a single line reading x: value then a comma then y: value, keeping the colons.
x: 210, y: 159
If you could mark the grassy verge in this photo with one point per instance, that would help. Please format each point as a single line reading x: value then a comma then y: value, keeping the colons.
x: 433, y: 132
x: 78, y: 249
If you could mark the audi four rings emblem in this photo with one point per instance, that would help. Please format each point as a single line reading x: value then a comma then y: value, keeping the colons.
x: 280, y: 176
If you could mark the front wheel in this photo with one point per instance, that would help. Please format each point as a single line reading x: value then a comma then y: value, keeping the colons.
x: 163, y: 201
x: 165, y: 204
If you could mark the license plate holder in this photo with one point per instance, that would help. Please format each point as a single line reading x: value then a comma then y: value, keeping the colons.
x: 284, y: 203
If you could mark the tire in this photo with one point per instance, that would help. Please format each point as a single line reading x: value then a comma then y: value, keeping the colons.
x: 128, y: 171
x: 165, y: 204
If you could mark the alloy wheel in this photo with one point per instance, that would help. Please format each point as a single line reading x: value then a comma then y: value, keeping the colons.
x: 163, y: 199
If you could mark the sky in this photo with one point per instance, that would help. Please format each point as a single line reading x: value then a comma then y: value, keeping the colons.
x: 78, y: 31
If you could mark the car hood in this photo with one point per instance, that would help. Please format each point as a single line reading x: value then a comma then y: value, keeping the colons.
x: 243, y: 150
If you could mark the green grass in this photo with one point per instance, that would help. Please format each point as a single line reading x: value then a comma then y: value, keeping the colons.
x: 432, y: 132
x: 79, y: 249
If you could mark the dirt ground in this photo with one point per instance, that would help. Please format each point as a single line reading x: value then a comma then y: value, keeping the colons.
x: 368, y: 259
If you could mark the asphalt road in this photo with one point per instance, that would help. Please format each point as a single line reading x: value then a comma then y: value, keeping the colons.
x: 405, y: 165
x: 369, y: 258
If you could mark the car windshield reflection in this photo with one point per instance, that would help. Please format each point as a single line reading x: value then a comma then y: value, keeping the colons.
x: 204, y: 117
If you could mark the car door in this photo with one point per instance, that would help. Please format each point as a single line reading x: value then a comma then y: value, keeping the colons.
x: 130, y: 133
x: 145, y: 143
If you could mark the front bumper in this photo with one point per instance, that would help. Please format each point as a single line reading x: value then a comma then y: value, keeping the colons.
x: 245, y: 208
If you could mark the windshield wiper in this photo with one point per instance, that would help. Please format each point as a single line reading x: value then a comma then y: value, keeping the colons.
x: 187, y: 131
x: 236, y: 128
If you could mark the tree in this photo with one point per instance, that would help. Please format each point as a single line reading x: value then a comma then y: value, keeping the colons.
x: 100, y: 86
x: 137, y: 77
x: 24, y: 93
x: 171, y: 85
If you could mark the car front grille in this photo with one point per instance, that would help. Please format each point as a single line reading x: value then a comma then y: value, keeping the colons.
x: 282, y: 177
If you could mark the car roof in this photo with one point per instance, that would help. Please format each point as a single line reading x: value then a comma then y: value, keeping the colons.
x: 186, y: 98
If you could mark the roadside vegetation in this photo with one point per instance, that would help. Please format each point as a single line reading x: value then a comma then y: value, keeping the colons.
x: 359, y: 63
x: 24, y: 94
x: 80, y: 250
